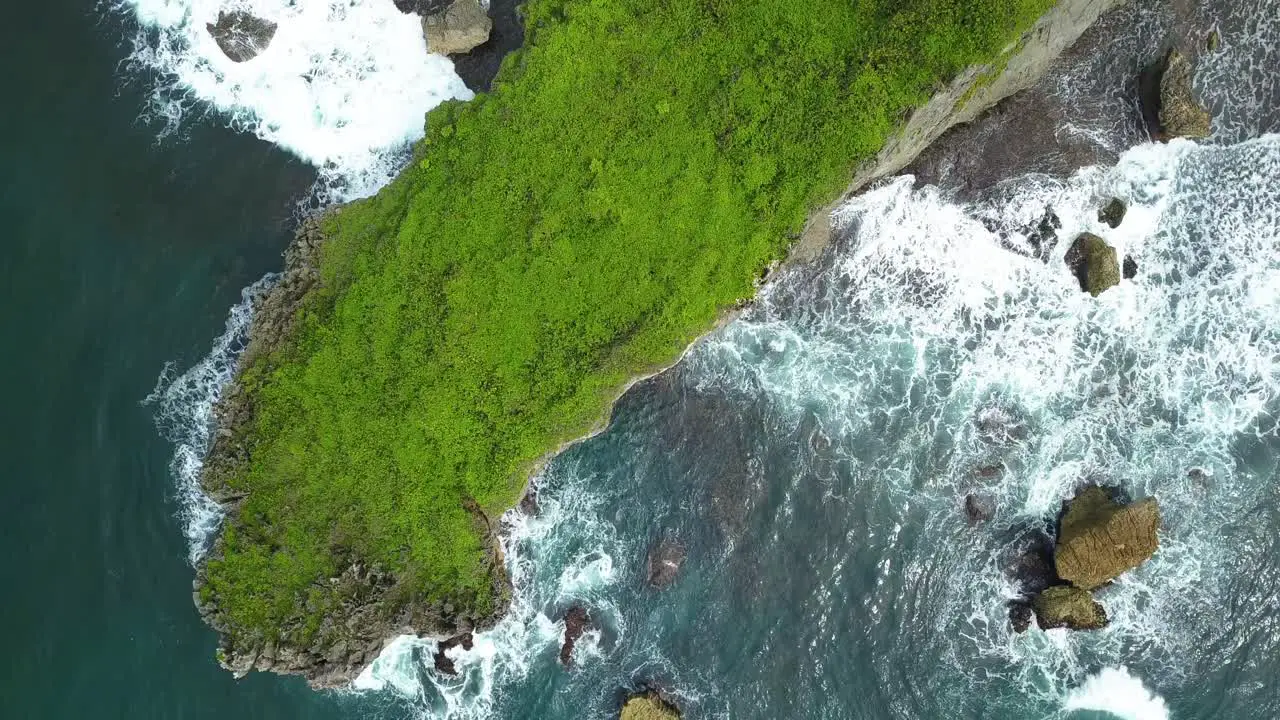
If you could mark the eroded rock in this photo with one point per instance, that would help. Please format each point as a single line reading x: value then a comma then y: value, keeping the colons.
x: 576, y: 622
x: 1113, y: 213
x: 1067, y: 606
x: 648, y: 706
x: 665, y: 558
x: 241, y: 36
x: 443, y: 663
x: 1180, y: 114
x: 1094, y: 263
x: 1099, y: 538
x: 458, y: 28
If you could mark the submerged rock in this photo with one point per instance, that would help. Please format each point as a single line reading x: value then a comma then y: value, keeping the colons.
x: 1099, y: 538
x: 1180, y: 115
x: 1094, y: 263
x: 1113, y: 213
x: 1044, y: 237
x: 1069, y: 607
x: 463, y: 25
x: 1019, y: 616
x: 648, y: 706
x: 665, y: 558
x: 979, y: 508
x: 240, y: 35
x: 576, y: 622
x: 443, y: 663
x: 1030, y: 563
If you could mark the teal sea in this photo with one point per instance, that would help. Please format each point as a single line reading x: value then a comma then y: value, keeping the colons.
x: 811, y: 459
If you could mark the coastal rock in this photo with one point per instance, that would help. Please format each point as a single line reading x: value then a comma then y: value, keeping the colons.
x: 1113, y: 213
x: 240, y: 35
x: 1180, y: 114
x: 979, y: 508
x: 1094, y: 263
x: 648, y: 706
x: 457, y: 29
x: 1067, y: 606
x: 1029, y: 563
x: 1099, y: 538
x: 443, y: 663
x: 665, y: 558
x: 1019, y: 616
x: 576, y: 622
x: 1129, y: 269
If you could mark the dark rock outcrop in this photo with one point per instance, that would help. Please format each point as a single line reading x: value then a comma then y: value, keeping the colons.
x: 458, y: 28
x: 979, y: 508
x: 1094, y: 263
x: 1019, y: 615
x: 240, y: 35
x: 1099, y: 538
x: 1113, y: 213
x: 648, y: 706
x: 576, y: 622
x: 421, y: 7
x: 1129, y: 269
x: 443, y: 663
x: 665, y: 558
x: 1067, y: 606
x: 1029, y: 563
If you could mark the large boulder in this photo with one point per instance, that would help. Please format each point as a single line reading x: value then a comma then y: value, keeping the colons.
x: 240, y: 35
x: 648, y: 706
x: 1180, y: 114
x: 1067, y: 606
x: 1094, y: 263
x: 1100, y: 538
x: 458, y: 28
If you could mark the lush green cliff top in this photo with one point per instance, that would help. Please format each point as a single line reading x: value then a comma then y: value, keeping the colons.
x: 637, y: 166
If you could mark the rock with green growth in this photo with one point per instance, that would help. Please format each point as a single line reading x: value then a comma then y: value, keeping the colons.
x: 1180, y: 114
x: 1099, y: 538
x: 1067, y: 606
x: 1214, y: 42
x: 648, y: 706
x: 1094, y: 263
x: 1113, y: 213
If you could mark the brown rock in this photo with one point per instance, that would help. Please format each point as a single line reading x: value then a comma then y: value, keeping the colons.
x: 665, y: 558
x: 648, y: 706
x: 576, y: 622
x: 1099, y: 539
x: 240, y: 35
x: 1069, y: 607
x: 458, y: 28
x: 1180, y: 114
x: 1094, y: 263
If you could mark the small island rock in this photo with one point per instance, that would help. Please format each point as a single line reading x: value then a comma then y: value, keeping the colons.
x: 665, y: 558
x: 576, y: 622
x: 648, y: 706
x: 1099, y: 538
x: 457, y: 29
x: 1180, y: 114
x: 241, y: 36
x: 1094, y: 263
x: 1067, y: 606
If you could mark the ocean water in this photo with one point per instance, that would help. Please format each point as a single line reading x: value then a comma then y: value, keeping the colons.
x: 812, y: 457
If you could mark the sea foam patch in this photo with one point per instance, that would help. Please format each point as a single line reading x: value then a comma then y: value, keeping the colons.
x: 343, y: 84
x: 1117, y: 692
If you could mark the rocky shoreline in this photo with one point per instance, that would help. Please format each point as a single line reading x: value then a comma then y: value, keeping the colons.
x: 370, y: 608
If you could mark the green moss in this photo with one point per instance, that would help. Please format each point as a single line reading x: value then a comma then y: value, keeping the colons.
x: 637, y: 165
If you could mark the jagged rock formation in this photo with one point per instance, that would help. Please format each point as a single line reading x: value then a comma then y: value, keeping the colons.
x: 1113, y: 213
x: 1094, y: 263
x: 1100, y: 539
x: 443, y: 663
x: 1069, y: 607
x: 463, y: 25
x: 576, y: 622
x: 240, y: 35
x: 1180, y: 114
x: 648, y: 706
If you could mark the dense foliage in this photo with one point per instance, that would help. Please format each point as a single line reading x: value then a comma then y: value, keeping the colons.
x: 637, y: 166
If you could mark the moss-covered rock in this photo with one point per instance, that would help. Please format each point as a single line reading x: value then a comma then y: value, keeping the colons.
x: 1180, y: 114
x: 1099, y: 538
x: 648, y: 706
x: 1067, y: 606
x: 1094, y: 263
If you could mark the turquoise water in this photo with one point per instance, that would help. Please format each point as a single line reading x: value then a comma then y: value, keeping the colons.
x: 812, y: 457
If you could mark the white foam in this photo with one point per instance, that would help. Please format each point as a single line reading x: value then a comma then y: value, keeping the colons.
x: 185, y: 417
x: 344, y: 84
x: 1117, y: 692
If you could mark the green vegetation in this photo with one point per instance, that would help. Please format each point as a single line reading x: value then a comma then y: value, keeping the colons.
x: 638, y: 165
